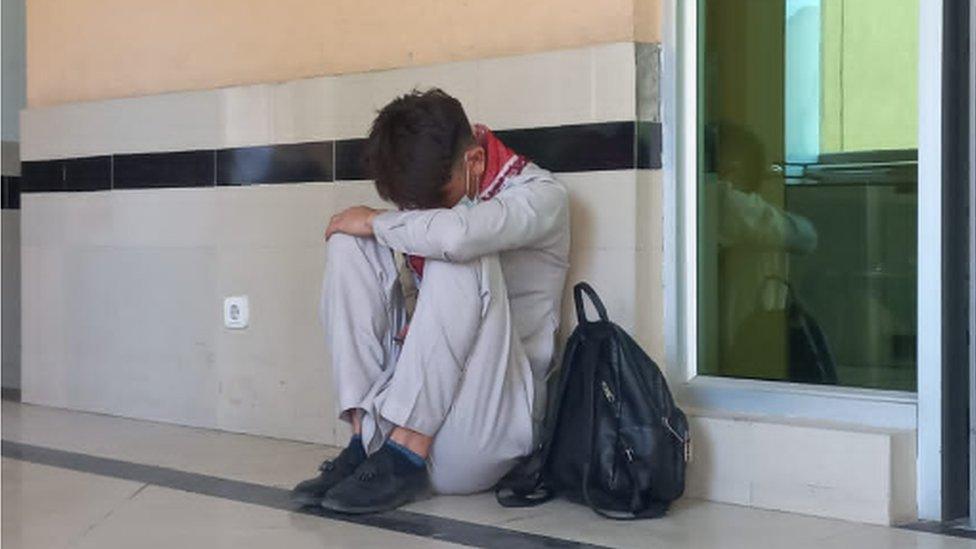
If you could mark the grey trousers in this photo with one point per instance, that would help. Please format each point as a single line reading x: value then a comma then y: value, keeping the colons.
x: 460, y: 375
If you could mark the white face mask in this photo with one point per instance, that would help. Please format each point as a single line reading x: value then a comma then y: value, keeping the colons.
x: 466, y: 200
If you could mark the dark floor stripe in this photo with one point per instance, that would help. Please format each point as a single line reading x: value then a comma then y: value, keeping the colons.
x: 418, y: 524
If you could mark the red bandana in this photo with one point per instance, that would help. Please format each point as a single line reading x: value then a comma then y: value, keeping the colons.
x: 500, y: 164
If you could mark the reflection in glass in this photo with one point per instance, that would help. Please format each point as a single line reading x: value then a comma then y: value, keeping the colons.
x: 808, y: 190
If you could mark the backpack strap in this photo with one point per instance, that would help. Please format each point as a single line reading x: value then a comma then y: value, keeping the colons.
x: 578, y: 292
x: 654, y: 509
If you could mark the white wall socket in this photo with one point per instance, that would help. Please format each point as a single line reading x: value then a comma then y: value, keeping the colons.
x: 236, y: 312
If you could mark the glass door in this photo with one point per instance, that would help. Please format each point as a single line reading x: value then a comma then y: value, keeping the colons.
x: 808, y: 191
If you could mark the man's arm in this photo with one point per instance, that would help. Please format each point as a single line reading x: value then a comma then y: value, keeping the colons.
x: 518, y: 217
x: 748, y: 220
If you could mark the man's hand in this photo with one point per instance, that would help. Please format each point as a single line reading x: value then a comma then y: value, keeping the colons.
x: 355, y: 221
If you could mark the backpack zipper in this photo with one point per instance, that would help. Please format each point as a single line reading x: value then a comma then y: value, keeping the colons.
x: 684, y: 440
x: 607, y: 392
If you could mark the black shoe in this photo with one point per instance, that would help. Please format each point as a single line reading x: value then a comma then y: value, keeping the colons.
x: 386, y: 480
x: 331, y: 473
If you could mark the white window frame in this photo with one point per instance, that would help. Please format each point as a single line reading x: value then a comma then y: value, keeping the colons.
x: 863, y: 407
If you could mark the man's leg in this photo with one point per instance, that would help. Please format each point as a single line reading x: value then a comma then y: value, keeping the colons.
x: 362, y: 309
x: 489, y: 426
x: 461, y: 379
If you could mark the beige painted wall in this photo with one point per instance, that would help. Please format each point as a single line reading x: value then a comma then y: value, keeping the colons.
x: 96, y: 49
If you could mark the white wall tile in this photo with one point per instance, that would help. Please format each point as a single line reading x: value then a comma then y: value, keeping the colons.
x: 611, y: 273
x: 649, y: 303
x: 649, y: 201
x: 165, y: 217
x: 272, y: 215
x: 139, y: 337
x: 10, y: 260
x: 247, y: 115
x: 821, y: 471
x: 275, y: 376
x: 574, y: 86
x: 904, y: 504
x: 524, y: 91
x: 649, y: 239
x: 603, y: 209
x: 305, y: 110
x: 44, y: 361
x: 556, y: 88
x: 720, y: 467
x: 169, y: 122
x: 42, y: 219
x: 614, y: 81
x: 828, y: 471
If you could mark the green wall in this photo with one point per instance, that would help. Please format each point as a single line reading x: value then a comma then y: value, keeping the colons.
x: 869, y: 75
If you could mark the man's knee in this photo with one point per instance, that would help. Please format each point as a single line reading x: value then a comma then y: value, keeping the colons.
x: 342, y: 245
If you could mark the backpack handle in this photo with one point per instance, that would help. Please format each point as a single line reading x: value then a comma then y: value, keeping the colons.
x: 578, y: 292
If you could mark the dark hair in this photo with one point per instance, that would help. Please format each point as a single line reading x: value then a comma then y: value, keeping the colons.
x: 414, y: 144
x: 740, y: 144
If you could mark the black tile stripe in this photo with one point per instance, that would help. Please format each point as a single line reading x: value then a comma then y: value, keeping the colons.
x: 577, y: 148
x: 349, y: 159
x: 407, y: 522
x: 291, y: 163
x: 573, y: 148
x: 13, y: 192
x: 88, y: 174
x: 42, y: 176
x: 160, y: 170
x: 10, y: 193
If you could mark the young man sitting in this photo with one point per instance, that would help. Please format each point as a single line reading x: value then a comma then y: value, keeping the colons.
x: 451, y: 397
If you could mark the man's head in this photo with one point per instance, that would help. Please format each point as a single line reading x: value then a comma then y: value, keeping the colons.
x: 422, y: 153
x: 741, y: 157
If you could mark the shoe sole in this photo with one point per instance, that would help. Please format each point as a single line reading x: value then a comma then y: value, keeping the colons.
x: 342, y: 509
x: 337, y: 507
x: 305, y: 500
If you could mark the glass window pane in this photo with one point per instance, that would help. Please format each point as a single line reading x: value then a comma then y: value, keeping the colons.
x: 807, y: 190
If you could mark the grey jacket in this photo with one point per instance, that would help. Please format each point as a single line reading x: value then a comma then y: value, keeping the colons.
x: 527, y: 225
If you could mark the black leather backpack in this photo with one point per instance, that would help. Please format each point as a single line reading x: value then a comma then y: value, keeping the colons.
x: 792, y: 333
x: 613, y: 437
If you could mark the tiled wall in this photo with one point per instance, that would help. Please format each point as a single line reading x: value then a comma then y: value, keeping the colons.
x: 123, y: 282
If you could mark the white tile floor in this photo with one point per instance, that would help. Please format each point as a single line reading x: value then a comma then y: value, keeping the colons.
x: 50, y: 507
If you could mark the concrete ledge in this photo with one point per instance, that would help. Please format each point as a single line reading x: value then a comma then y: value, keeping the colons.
x: 829, y: 470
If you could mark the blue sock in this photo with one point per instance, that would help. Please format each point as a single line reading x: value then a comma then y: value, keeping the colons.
x: 405, y: 457
x: 356, y: 445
